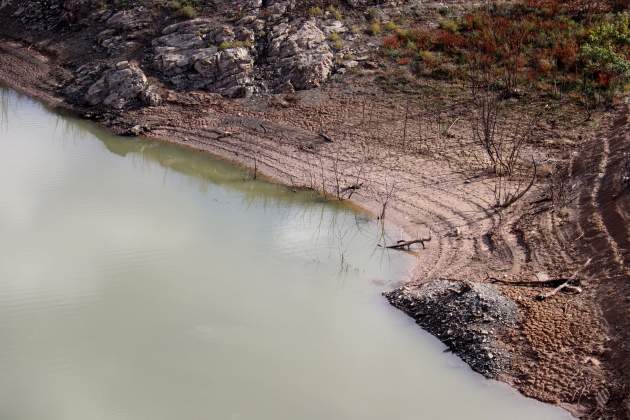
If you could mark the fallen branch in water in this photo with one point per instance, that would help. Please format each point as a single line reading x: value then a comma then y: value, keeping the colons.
x: 407, y: 244
x: 351, y: 189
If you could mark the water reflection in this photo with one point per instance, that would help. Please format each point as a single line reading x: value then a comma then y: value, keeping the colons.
x: 201, y: 171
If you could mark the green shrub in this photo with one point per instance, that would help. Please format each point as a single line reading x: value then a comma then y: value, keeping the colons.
x: 391, y: 26
x: 375, y: 28
x: 315, y: 11
x: 336, y: 41
x: 186, y: 9
x: 427, y: 57
x: 335, y: 12
x: 605, y: 58
x: 226, y: 45
x: 449, y: 25
x: 188, y: 12
x: 615, y: 31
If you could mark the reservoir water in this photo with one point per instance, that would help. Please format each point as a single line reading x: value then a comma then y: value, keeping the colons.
x: 143, y: 281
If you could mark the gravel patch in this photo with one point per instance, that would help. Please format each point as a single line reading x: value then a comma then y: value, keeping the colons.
x: 465, y: 316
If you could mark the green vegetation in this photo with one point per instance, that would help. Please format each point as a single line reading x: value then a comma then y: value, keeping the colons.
x: 335, y: 12
x: 550, y: 46
x: 226, y: 45
x: 391, y: 26
x: 315, y: 11
x: 335, y: 41
x: 375, y: 28
x: 449, y: 25
x: 185, y: 8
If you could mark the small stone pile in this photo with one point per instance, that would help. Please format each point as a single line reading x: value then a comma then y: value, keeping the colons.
x: 465, y: 316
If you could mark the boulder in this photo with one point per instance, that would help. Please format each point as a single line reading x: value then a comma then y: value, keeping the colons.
x: 300, y: 55
x: 188, y: 56
x: 129, y: 20
x: 121, y: 85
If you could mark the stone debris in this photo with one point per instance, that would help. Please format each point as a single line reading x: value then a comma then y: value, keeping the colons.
x: 465, y: 316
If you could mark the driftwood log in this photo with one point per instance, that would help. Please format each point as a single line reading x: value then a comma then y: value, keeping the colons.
x: 571, y: 283
x: 567, y: 284
x: 326, y: 137
x: 407, y: 244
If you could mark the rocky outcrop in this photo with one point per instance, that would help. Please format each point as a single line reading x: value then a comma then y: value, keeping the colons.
x: 117, y: 87
x: 363, y: 3
x: 200, y: 54
x: 125, y: 30
x: 244, y: 47
x: 300, y: 56
x: 48, y: 14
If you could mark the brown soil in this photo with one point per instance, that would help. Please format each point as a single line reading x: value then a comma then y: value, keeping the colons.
x: 570, y: 350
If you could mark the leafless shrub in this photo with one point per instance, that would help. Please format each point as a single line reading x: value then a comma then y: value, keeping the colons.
x: 255, y: 170
x: 383, y: 198
x: 559, y: 188
x: 502, y: 143
x: 509, y: 189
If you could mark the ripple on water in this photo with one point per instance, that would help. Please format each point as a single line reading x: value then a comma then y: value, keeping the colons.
x: 143, y: 281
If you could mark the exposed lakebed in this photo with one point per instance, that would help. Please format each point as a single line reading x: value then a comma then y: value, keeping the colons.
x: 140, y: 280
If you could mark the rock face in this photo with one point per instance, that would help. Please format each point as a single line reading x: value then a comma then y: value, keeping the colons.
x: 300, y: 56
x: 198, y: 54
x: 244, y: 47
x: 363, y: 3
x: 48, y: 14
x: 201, y: 54
x: 125, y: 30
x: 465, y: 316
x: 119, y: 87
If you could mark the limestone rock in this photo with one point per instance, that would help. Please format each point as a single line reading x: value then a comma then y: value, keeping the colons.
x: 119, y: 86
x: 129, y: 20
x: 188, y: 56
x: 300, y: 55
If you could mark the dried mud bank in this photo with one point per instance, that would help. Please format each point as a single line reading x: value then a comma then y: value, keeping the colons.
x: 571, y: 350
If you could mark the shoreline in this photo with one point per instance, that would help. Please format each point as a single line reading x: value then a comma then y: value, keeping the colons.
x: 454, y: 251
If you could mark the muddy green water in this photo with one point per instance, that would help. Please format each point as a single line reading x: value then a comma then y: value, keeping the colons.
x: 143, y: 281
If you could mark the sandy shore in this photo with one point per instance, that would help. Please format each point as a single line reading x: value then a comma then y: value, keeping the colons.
x: 559, y: 353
